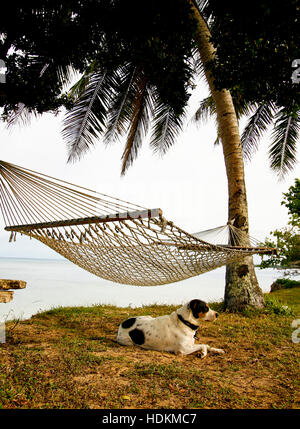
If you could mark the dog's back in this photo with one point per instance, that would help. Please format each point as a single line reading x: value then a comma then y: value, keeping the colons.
x: 129, y: 332
x: 148, y: 332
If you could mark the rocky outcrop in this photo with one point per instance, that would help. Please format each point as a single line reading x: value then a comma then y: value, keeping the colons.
x: 5, y: 284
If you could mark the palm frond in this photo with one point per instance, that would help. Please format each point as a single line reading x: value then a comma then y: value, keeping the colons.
x: 166, y: 126
x: 120, y: 111
x: 218, y: 138
x: 81, y: 84
x: 197, y: 64
x: 64, y: 72
x: 139, y: 115
x: 22, y: 116
x: 86, y: 120
x: 203, y: 6
x: 217, y: 141
x: 285, y: 135
x: 256, y: 126
x: 242, y: 108
x: 206, y: 109
x: 65, y: 75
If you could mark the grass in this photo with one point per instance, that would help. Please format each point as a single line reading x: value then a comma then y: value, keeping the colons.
x: 69, y: 358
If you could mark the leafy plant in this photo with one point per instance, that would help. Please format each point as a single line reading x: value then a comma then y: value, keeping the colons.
x: 273, y: 305
x: 288, y: 283
x: 287, y: 239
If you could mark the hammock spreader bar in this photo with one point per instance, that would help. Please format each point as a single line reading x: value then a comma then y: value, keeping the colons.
x: 89, y: 220
x: 109, y: 237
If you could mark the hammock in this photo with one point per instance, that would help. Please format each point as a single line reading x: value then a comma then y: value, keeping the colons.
x: 109, y: 237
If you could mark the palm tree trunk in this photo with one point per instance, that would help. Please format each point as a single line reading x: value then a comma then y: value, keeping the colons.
x: 241, y: 287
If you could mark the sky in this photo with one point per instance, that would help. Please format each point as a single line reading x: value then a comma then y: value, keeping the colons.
x: 188, y: 183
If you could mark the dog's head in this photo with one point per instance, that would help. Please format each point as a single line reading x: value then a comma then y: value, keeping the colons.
x: 201, y: 311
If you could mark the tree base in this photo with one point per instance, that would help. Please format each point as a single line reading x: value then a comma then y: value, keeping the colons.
x: 242, y: 289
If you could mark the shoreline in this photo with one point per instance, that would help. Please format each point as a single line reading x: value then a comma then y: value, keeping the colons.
x: 59, y: 283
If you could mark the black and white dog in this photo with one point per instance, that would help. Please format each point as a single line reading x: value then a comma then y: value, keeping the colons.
x: 172, y: 333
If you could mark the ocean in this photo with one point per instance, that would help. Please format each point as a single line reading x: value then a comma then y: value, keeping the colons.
x: 59, y: 283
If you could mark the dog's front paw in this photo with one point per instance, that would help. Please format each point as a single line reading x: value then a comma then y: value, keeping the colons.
x: 218, y: 351
x: 202, y: 352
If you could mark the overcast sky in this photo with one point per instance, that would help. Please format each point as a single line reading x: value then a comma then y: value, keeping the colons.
x: 189, y: 183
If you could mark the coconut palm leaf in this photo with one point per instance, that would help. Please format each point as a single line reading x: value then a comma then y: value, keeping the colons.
x: 120, y: 111
x: 86, y: 120
x: 139, y: 113
x: 242, y: 108
x: 22, y: 116
x: 65, y: 74
x: 206, y: 109
x: 285, y: 135
x: 166, y: 126
x: 203, y: 6
x: 256, y: 126
x: 81, y: 84
x: 196, y: 65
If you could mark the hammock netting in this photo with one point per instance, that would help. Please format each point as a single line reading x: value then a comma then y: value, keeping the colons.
x: 111, y: 238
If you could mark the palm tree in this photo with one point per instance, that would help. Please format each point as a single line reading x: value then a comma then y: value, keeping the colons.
x: 241, y: 283
x: 241, y: 287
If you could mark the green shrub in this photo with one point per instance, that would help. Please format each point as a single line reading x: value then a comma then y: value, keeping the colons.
x: 288, y: 283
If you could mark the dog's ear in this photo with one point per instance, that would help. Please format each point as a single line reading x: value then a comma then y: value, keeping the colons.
x: 198, y: 308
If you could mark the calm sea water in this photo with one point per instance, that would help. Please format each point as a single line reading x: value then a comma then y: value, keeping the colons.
x: 59, y: 283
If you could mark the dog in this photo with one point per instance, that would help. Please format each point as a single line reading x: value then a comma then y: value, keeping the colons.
x: 173, y: 333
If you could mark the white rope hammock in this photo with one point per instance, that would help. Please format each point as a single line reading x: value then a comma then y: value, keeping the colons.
x: 111, y: 238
